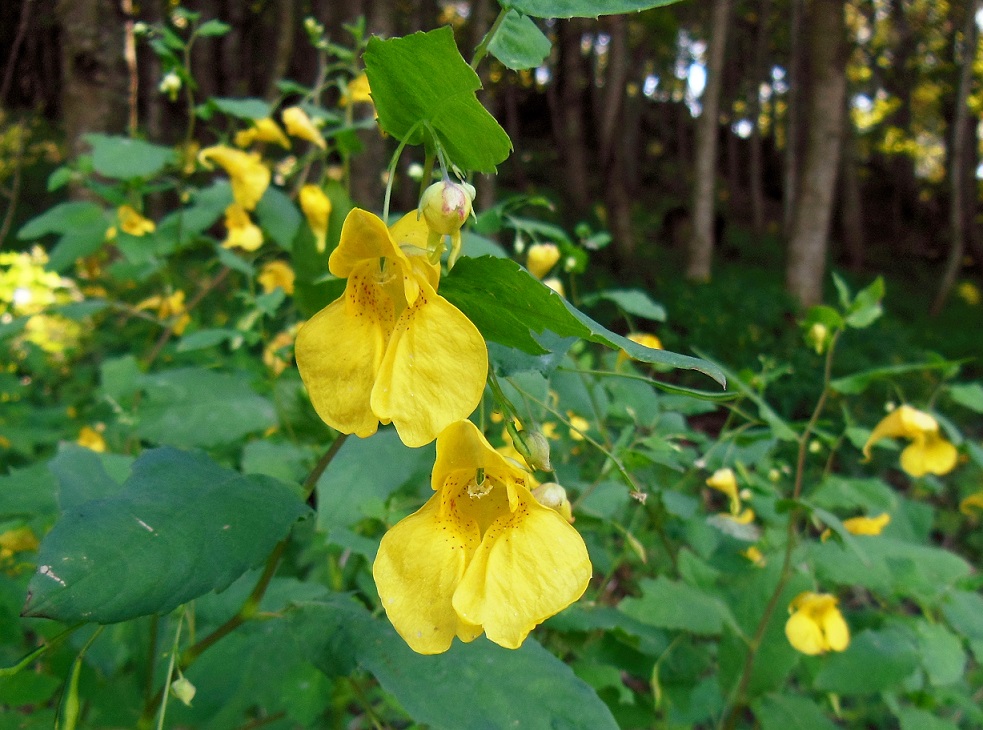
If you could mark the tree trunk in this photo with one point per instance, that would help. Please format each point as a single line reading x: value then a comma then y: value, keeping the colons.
x: 700, y: 253
x: 283, y: 47
x: 960, y: 197
x: 756, y: 187
x: 806, y: 266
x: 571, y: 112
x: 794, y: 77
x: 94, y: 77
x: 851, y: 201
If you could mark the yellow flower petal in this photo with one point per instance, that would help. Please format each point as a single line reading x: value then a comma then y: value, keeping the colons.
x: 242, y: 232
x: 130, y: 221
x: 433, y: 372
x: 971, y: 503
x: 317, y: 208
x: 724, y: 480
x: 531, y: 564
x: 541, y: 258
x: 91, y: 439
x: 867, y: 525
x: 357, y: 91
x: 276, y: 274
x: 418, y: 567
x: 462, y: 447
x: 263, y: 130
x: 816, y: 624
x: 363, y: 236
x: 299, y: 125
x: 905, y: 422
x: 247, y: 173
x: 929, y: 454
x: 339, y: 352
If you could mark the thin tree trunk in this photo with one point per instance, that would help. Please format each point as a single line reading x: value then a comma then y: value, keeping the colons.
x: 808, y: 245
x: 851, y: 200
x: 756, y: 187
x: 283, y: 46
x: 700, y: 252
x: 617, y: 200
x: 571, y: 113
x: 94, y: 79
x: 794, y: 79
x: 959, y: 197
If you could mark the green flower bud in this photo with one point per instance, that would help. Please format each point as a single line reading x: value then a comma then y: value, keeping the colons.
x: 446, y: 205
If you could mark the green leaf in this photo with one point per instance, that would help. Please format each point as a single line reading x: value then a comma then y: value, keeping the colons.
x: 859, y: 382
x: 472, y: 686
x: 866, y: 307
x: 915, y: 718
x: 28, y: 492
x: 81, y: 226
x: 277, y: 214
x: 519, y: 43
x: 182, y: 526
x: 942, y: 654
x: 125, y: 158
x: 204, y: 339
x: 311, y: 290
x: 968, y: 395
x: 213, y: 28
x: 241, y: 108
x: 193, y: 407
x: 508, y: 305
x: 875, y: 661
x: 423, y: 89
x: 672, y: 604
x: 964, y: 612
x: 84, y: 475
x: 581, y: 8
x: 632, y: 301
x: 790, y: 712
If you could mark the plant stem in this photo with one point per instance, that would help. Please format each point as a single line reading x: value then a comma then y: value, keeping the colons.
x: 791, y: 534
x: 482, y: 50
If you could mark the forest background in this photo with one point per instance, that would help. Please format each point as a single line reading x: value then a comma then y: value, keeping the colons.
x: 704, y: 168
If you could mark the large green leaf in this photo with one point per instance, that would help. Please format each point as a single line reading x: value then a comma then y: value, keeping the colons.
x: 519, y: 43
x: 192, y: 407
x: 508, y: 305
x: 473, y: 686
x: 581, y: 8
x: 672, y: 604
x: 790, y: 712
x: 181, y: 526
x: 84, y: 475
x: 278, y: 216
x: 875, y: 661
x: 124, y: 158
x: 81, y: 228
x: 423, y: 88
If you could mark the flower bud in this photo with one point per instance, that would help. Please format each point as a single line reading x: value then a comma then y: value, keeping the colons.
x: 552, y: 495
x: 535, y: 449
x: 170, y: 85
x: 542, y: 257
x: 446, y: 205
x: 818, y: 337
x: 183, y: 690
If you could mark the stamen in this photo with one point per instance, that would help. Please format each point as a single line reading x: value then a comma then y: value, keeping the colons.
x: 479, y: 486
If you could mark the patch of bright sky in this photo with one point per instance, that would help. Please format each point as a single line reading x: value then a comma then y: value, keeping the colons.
x: 743, y: 128
x: 650, y: 85
x: 543, y: 75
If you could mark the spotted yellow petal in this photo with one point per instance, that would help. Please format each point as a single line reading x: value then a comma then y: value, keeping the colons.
x: 433, y: 372
x: 418, y: 567
x: 339, y: 352
x: 363, y: 237
x: 531, y: 564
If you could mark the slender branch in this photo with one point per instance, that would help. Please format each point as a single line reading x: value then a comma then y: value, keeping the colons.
x: 168, y: 332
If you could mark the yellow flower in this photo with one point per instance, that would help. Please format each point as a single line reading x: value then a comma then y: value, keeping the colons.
x: 357, y: 91
x: 90, y: 438
x: 969, y: 293
x: 243, y: 233
x: 724, y: 480
x: 541, y: 258
x: 482, y: 555
x: 745, y: 517
x: 276, y: 353
x: 263, y: 130
x: 755, y: 555
x: 18, y: 540
x: 169, y: 307
x: 130, y: 221
x: 646, y: 339
x: 578, y: 426
x: 816, y: 624
x: 299, y: 125
x: 317, y: 208
x: 971, y: 503
x: 249, y: 176
x: 390, y: 349
x: 276, y: 274
x: 928, y: 452
x: 867, y: 525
